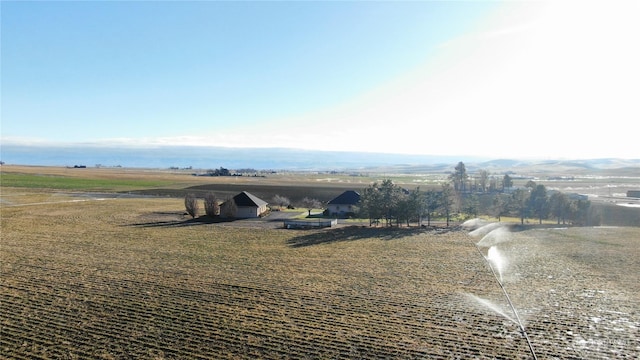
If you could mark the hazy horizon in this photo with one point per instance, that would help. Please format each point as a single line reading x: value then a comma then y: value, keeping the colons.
x: 533, y: 80
x: 207, y: 157
x: 203, y: 157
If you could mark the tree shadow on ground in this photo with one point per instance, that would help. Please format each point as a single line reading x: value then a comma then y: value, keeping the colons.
x: 201, y: 220
x: 354, y: 233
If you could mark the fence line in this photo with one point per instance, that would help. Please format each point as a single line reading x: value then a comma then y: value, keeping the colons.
x: 296, y: 224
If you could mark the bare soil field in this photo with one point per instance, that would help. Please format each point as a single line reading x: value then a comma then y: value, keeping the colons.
x: 131, y: 278
x: 117, y: 277
x: 177, y: 183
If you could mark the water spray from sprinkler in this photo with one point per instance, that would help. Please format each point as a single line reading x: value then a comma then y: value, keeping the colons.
x: 495, y: 257
x: 489, y: 305
x: 496, y: 234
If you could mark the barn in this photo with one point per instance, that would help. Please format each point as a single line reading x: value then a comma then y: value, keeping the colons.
x: 249, y: 205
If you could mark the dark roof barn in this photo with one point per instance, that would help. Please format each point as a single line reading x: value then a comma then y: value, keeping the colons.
x: 348, y: 197
x: 247, y: 199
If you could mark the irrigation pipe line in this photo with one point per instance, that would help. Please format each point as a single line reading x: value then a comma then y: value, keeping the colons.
x: 513, y: 308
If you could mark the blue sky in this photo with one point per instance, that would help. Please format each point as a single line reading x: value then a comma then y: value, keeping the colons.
x: 487, y: 78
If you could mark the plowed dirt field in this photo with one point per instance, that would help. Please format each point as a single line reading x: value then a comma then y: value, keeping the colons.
x: 130, y: 279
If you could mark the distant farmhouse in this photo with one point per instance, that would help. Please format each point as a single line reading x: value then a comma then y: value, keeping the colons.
x: 344, y: 204
x: 575, y: 196
x: 249, y: 205
x: 633, y: 193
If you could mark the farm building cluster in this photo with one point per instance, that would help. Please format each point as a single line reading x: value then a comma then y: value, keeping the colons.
x: 251, y: 206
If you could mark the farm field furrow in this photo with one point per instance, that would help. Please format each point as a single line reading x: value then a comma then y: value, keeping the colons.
x: 63, y: 325
x: 306, y: 328
x: 84, y: 280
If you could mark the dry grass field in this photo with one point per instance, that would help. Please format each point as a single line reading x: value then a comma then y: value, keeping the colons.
x: 129, y: 278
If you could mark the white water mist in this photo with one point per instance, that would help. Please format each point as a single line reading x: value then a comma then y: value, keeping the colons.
x: 485, y: 229
x: 498, y: 235
x: 491, y: 306
x: 497, y: 260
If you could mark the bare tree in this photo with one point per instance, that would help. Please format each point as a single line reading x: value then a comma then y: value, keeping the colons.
x: 191, y: 205
x: 484, y: 180
x: 499, y: 206
x: 311, y: 204
x: 211, y: 206
x: 493, y: 184
x: 281, y: 201
x: 229, y: 209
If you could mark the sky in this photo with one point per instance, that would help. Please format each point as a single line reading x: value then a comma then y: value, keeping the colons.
x: 501, y: 79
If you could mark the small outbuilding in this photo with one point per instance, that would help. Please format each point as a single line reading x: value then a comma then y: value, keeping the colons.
x: 633, y: 193
x: 344, y: 204
x: 249, y: 205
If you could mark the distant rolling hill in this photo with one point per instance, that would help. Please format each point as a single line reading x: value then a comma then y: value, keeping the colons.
x: 285, y: 159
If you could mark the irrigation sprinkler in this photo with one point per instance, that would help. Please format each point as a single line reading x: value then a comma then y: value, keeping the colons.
x: 523, y: 331
x: 493, y: 233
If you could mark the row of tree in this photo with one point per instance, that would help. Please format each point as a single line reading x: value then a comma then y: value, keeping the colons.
x: 482, y: 182
x: 536, y: 201
x: 390, y: 203
x: 306, y: 202
x: 213, y: 207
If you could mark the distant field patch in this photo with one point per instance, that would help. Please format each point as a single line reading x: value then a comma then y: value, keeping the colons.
x: 34, y: 181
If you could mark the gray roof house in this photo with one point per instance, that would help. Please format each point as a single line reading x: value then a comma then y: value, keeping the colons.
x: 344, y: 203
x: 249, y: 205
